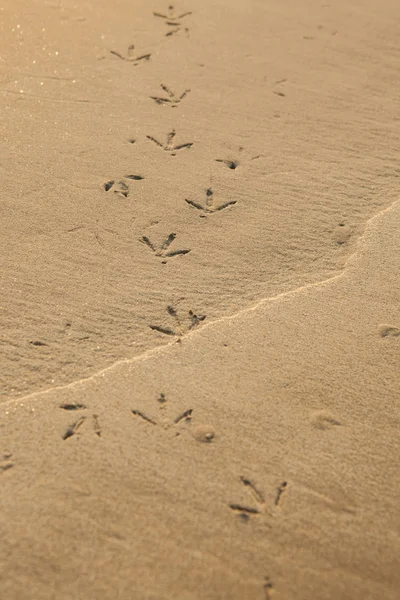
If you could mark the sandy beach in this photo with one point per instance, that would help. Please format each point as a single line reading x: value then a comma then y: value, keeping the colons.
x: 200, y: 325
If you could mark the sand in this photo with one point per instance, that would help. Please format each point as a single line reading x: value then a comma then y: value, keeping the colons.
x: 200, y: 320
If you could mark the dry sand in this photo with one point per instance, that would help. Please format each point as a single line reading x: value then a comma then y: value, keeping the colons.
x: 221, y: 423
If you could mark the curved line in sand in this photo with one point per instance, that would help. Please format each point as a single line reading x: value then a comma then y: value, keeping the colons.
x: 150, y: 353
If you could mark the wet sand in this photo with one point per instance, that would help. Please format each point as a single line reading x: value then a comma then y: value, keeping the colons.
x: 200, y: 324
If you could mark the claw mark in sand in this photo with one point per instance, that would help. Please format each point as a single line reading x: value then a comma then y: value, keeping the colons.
x: 268, y: 588
x: 277, y: 92
x: 171, y: 99
x: 77, y: 406
x: 6, y: 462
x: 130, y: 56
x: 279, y: 492
x: 180, y: 328
x: 258, y: 496
x: 324, y: 420
x: 163, y: 250
x: 96, y: 425
x: 185, y: 416
x: 162, y: 399
x: 231, y: 164
x: 138, y: 413
x: 208, y: 208
x: 388, y: 331
x: 170, y: 146
x: 244, y: 511
x: 72, y: 429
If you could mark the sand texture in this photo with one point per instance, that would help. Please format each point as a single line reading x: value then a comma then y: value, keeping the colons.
x: 200, y: 324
